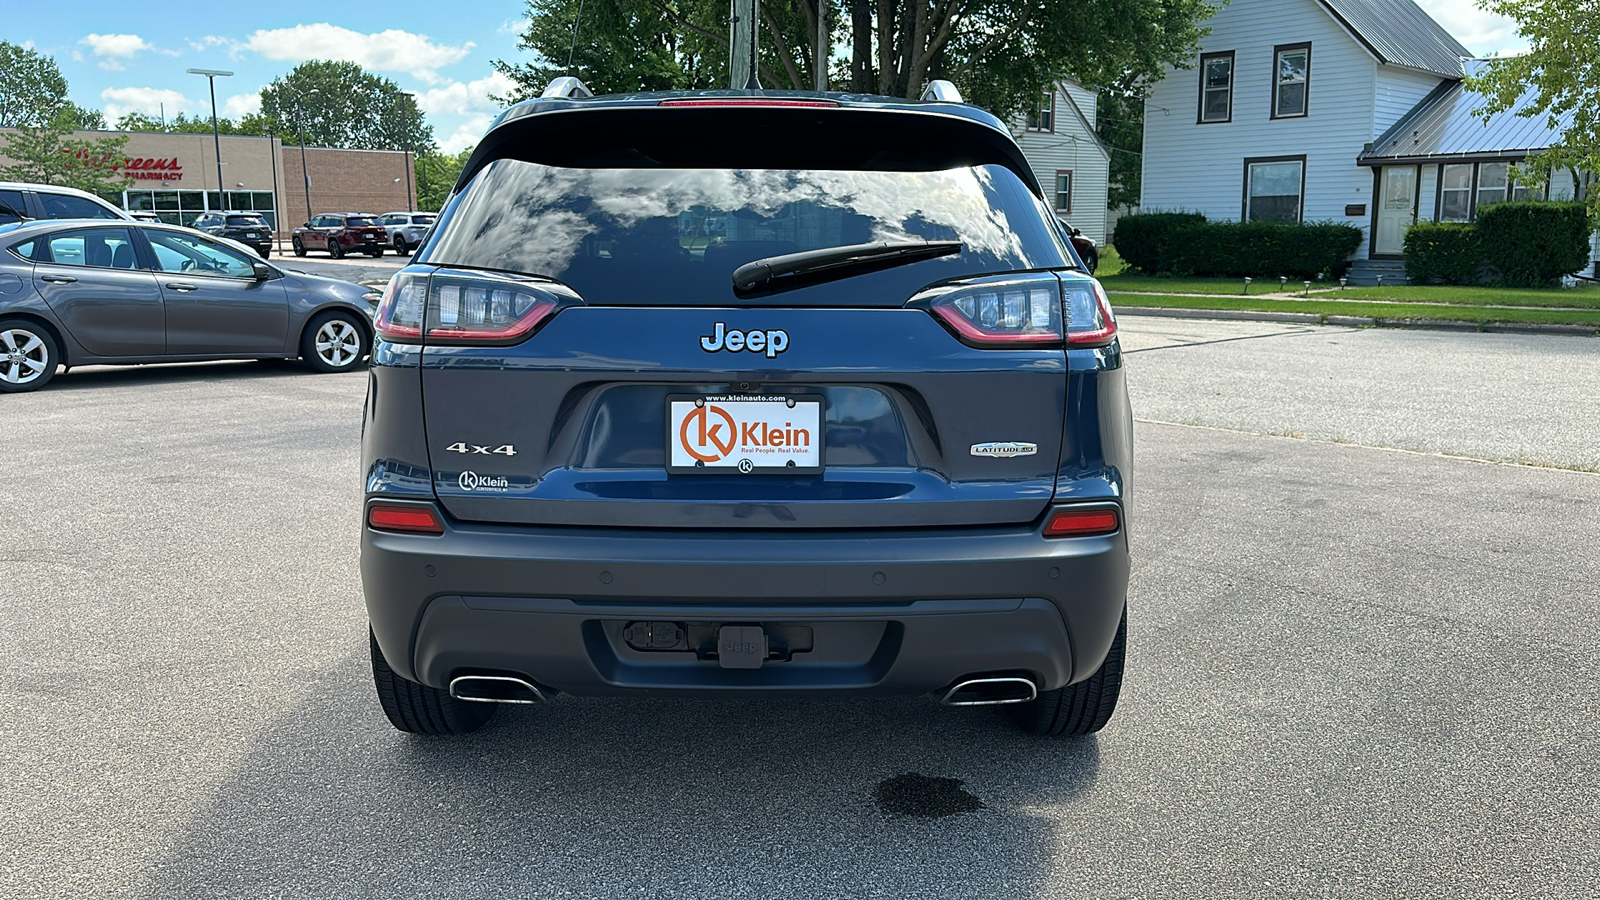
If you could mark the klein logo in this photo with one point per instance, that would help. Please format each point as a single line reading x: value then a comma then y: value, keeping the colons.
x: 769, y: 342
x: 472, y: 481
x: 709, y: 433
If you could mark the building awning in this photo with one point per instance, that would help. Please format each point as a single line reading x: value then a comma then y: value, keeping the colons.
x: 1445, y: 126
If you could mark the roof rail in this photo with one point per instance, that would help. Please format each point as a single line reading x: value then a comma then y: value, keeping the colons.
x: 943, y: 91
x: 565, y: 87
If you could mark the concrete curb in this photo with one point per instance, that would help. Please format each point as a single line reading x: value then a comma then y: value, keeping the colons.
x: 1359, y: 321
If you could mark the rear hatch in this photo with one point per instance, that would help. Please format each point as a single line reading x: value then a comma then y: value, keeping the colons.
x: 366, y: 230
x: 589, y: 360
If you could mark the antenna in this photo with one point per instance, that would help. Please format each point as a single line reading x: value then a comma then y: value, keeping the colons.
x: 573, y: 50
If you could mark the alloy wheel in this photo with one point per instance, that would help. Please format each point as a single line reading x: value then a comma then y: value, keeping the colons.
x: 23, y: 356
x: 338, y: 343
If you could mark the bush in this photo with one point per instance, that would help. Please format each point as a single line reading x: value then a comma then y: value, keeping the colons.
x: 1445, y: 251
x: 1260, y: 249
x: 1534, y: 242
x: 1138, y: 237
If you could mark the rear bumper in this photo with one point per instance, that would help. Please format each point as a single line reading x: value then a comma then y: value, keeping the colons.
x: 887, y: 612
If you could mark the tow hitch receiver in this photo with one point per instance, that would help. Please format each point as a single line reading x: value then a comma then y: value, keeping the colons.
x: 741, y: 646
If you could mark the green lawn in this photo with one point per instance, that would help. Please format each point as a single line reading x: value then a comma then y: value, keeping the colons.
x: 1380, y: 310
x: 1159, y: 284
x: 1586, y: 297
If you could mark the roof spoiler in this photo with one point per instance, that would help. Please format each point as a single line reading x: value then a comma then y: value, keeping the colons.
x: 942, y: 91
x: 566, y: 88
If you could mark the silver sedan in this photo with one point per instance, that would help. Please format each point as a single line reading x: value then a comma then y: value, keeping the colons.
x: 99, y: 292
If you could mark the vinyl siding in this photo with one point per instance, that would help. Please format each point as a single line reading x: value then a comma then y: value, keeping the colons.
x: 1072, y: 146
x: 1397, y: 92
x: 1201, y: 167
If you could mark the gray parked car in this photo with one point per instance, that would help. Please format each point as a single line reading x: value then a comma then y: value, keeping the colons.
x: 406, y: 229
x: 91, y: 292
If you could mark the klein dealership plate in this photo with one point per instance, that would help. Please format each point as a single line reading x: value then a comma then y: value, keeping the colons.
x: 744, y: 434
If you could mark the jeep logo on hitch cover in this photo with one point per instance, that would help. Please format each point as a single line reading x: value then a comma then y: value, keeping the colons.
x: 770, y: 342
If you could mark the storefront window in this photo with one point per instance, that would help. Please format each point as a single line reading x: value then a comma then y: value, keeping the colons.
x: 183, y: 207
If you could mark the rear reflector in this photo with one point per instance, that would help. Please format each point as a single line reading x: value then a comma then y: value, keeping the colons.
x: 750, y: 101
x: 417, y: 519
x: 1071, y: 522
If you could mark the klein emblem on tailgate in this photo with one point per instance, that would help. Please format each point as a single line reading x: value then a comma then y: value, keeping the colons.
x: 769, y: 342
x: 1005, y: 449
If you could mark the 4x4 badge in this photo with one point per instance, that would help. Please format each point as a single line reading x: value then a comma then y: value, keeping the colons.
x: 1005, y: 449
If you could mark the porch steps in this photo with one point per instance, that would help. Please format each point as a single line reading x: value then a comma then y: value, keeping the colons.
x: 1365, y: 272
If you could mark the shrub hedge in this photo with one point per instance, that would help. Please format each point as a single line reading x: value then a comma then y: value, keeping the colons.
x: 1138, y: 238
x: 1260, y: 249
x: 1444, y: 251
x: 1534, y: 242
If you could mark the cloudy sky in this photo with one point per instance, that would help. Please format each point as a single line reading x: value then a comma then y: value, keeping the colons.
x: 130, y: 56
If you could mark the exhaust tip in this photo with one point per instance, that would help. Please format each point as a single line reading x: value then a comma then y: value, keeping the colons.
x: 993, y: 691
x: 496, y: 689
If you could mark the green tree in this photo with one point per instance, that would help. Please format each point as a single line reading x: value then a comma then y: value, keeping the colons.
x: 436, y: 177
x: 252, y: 124
x: 340, y: 104
x: 32, y: 88
x: 1560, y: 74
x: 1119, y: 121
x: 999, y: 53
x: 48, y: 154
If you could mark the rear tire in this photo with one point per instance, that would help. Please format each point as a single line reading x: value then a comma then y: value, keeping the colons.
x: 419, y: 709
x: 1082, y: 708
x: 375, y: 252
x: 1091, y: 261
x: 299, y: 248
x: 334, y: 250
x: 334, y: 342
x: 28, y: 356
x: 400, y: 244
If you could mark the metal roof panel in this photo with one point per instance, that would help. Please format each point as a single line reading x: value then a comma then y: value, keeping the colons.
x: 1399, y: 33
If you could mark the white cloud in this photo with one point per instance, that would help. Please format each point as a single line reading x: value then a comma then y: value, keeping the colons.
x: 240, y: 105
x: 460, y: 98
x: 1484, y: 33
x: 468, y: 134
x: 209, y: 41
x: 121, y: 101
x: 386, y: 51
x: 514, y: 27
x: 115, y: 50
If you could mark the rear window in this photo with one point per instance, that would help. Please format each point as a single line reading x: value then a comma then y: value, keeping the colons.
x: 656, y: 236
x: 246, y: 221
x: 360, y: 221
x: 422, y: 220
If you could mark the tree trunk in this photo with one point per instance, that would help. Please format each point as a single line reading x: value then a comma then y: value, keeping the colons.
x: 861, y: 74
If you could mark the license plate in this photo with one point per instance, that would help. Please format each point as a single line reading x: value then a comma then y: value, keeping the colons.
x: 742, y: 434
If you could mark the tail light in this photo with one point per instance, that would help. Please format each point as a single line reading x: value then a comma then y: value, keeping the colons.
x: 413, y: 519
x: 749, y: 101
x: 1017, y: 312
x: 1090, y: 322
x: 1070, y: 522
x: 452, y: 307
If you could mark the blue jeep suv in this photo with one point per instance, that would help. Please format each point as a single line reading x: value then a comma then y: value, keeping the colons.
x: 744, y: 393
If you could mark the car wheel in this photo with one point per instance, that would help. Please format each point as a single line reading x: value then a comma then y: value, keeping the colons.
x: 419, y: 709
x: 1091, y: 261
x: 375, y: 252
x: 299, y: 248
x: 1082, y: 708
x: 28, y: 356
x: 334, y: 250
x: 400, y: 244
x: 333, y: 342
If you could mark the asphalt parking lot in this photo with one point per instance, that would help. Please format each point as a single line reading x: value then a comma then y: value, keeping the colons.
x: 1362, y: 663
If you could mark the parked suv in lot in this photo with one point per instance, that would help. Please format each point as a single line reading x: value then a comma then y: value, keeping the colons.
x: 406, y: 229
x: 21, y: 201
x: 341, y: 233
x: 250, y: 229
x: 746, y: 394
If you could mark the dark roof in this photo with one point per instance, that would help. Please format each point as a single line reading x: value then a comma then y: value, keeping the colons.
x: 1444, y: 126
x: 1399, y: 33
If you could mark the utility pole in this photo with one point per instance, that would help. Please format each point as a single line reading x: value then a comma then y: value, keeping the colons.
x: 273, y: 146
x: 820, y: 58
x: 742, y: 28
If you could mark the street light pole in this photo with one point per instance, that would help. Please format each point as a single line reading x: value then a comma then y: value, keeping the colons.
x: 273, y: 145
x: 300, y: 123
x: 216, y: 136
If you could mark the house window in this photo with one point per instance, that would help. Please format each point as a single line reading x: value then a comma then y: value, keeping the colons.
x: 1492, y: 182
x: 1455, y: 193
x: 1043, y: 115
x: 1291, y: 80
x: 1273, y: 189
x: 1063, y: 190
x: 1216, y: 87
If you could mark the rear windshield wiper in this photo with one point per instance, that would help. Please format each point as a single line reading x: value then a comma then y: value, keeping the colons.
x: 776, y: 273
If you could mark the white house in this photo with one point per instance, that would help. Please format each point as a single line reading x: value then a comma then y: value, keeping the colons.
x: 1071, y: 164
x: 1342, y: 110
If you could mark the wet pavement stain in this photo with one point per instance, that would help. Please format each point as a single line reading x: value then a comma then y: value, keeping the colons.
x: 921, y: 795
